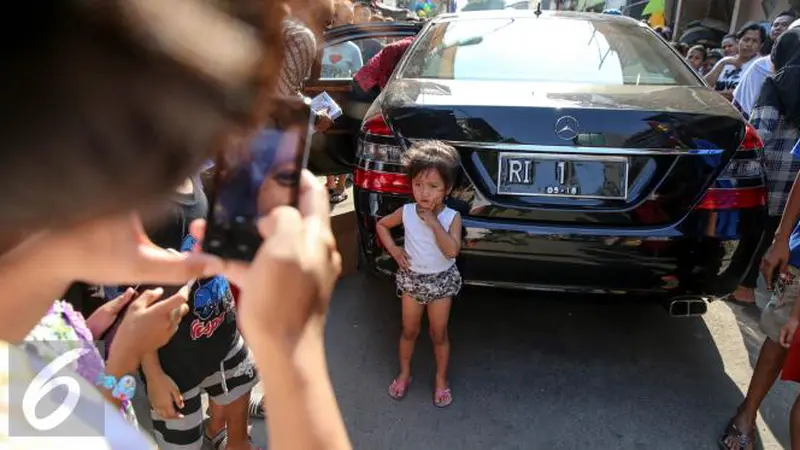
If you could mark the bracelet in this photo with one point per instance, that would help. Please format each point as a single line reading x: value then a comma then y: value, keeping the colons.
x: 124, y: 389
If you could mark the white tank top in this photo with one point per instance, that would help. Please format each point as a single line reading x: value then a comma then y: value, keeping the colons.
x: 420, y: 242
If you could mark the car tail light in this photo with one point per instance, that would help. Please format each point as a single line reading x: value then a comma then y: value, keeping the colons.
x: 376, y: 126
x: 744, y: 166
x: 379, y: 152
x: 385, y: 182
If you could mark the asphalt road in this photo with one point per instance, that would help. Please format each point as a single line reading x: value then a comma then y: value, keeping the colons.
x: 531, y: 371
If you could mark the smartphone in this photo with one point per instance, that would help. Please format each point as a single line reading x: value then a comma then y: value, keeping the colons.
x: 782, y: 280
x: 253, y: 178
x: 110, y: 293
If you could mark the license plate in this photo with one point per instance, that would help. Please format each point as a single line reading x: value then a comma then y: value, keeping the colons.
x: 579, y: 176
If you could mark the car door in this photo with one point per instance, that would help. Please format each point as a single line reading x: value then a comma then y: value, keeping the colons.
x: 333, y: 152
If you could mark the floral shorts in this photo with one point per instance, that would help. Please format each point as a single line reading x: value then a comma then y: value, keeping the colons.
x: 427, y: 287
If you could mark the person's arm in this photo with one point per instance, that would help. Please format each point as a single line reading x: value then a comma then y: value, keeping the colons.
x: 383, y: 228
x: 713, y: 75
x: 790, y: 215
x: 30, y: 274
x: 151, y: 366
x: 286, y: 292
x: 303, y: 412
x: 117, y: 366
x: 448, y: 241
x: 776, y: 259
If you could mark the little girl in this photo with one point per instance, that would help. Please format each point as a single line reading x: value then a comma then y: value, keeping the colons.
x: 428, y: 277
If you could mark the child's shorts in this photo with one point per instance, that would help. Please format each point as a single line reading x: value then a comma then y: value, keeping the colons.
x: 427, y: 287
x: 779, y: 309
x: 187, y: 433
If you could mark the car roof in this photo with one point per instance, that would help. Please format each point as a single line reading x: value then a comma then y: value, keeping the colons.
x: 544, y: 15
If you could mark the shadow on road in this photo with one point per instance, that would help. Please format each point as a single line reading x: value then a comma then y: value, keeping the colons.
x: 531, y: 371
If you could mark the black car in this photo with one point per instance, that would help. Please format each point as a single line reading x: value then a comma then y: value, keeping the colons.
x: 594, y: 159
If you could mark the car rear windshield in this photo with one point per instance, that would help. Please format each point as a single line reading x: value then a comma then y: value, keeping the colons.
x: 561, y: 50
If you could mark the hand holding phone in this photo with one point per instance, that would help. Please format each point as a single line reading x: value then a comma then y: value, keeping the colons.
x: 252, y: 179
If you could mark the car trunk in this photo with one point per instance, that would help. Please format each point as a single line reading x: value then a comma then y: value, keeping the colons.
x: 627, y: 155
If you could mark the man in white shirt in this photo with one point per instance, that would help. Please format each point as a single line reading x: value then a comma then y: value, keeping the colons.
x: 746, y: 93
x: 727, y: 74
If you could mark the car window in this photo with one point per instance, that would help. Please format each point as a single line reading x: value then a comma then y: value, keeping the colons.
x: 562, y: 50
x: 342, y: 61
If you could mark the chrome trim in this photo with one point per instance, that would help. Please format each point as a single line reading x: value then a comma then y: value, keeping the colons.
x: 511, y: 147
x: 593, y: 158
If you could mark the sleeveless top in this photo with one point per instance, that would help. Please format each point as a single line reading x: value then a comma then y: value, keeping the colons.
x: 420, y: 242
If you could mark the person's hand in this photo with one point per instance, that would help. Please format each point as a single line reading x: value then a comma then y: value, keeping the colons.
x: 731, y: 60
x: 164, y: 396
x: 323, y: 122
x: 400, y: 256
x: 285, y: 291
x: 775, y: 261
x: 148, y: 325
x: 428, y: 217
x: 104, y: 316
x: 787, y: 332
x: 117, y: 251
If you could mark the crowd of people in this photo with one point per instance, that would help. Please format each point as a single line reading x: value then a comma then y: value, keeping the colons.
x: 760, y: 75
x: 121, y: 248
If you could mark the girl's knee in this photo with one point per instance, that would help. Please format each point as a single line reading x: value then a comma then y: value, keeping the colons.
x: 410, y: 333
x: 438, y: 336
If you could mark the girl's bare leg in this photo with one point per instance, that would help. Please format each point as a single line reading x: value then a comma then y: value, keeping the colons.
x: 412, y: 316
x: 438, y: 317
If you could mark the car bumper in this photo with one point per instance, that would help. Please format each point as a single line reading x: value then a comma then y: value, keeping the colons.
x: 705, y: 254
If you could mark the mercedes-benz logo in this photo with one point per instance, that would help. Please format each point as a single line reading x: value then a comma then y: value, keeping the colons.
x: 567, y: 128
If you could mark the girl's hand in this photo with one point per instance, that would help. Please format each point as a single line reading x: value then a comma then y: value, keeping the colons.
x: 428, y: 217
x: 164, y: 395
x: 100, y: 321
x: 787, y: 332
x: 148, y: 325
x: 400, y: 257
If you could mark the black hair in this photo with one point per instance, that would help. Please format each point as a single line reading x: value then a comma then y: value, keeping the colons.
x: 752, y: 26
x: 101, y: 120
x: 715, y: 53
x: 786, y: 13
x: 699, y: 48
x: 730, y: 36
x: 436, y: 155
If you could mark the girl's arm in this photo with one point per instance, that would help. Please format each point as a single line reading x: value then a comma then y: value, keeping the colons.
x: 394, y: 219
x: 448, y: 241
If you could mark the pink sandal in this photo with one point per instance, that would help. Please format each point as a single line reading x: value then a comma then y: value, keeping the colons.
x: 442, y: 398
x: 399, y: 389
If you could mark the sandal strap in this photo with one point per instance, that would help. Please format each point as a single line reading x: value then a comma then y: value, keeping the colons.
x: 256, y: 406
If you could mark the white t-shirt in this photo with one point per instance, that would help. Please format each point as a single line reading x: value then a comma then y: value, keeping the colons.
x: 420, y: 242
x: 93, y: 424
x: 731, y: 76
x: 341, y: 60
x: 746, y: 93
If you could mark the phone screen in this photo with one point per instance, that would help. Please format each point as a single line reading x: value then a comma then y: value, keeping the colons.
x: 251, y: 179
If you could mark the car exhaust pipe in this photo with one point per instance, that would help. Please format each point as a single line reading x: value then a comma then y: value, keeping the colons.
x: 687, y: 307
